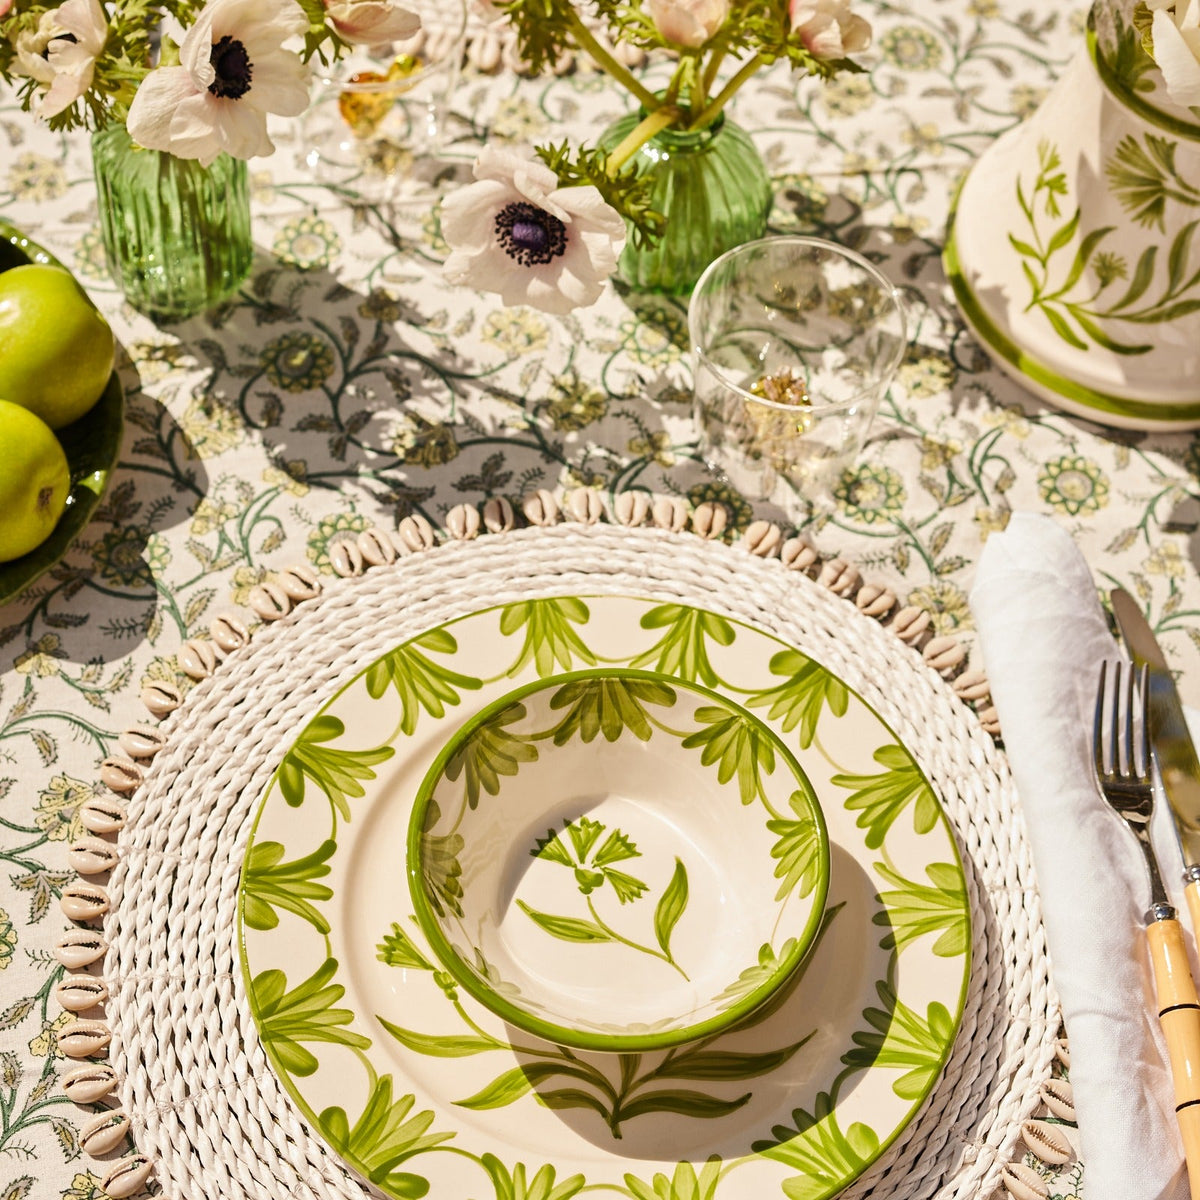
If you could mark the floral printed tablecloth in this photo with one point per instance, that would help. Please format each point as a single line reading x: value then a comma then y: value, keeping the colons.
x: 347, y: 385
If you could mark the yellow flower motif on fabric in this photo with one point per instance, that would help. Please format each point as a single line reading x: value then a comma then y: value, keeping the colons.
x: 89, y: 255
x: 211, y: 514
x: 425, y: 443
x: 516, y: 331
x: 57, y: 810
x: 800, y: 201
x: 517, y: 120
x: 656, y: 337
x: 576, y: 404
x: 331, y: 529
x: 924, y: 137
x: 946, y: 603
x: 846, y: 95
x: 1074, y: 485
x: 991, y: 520
x: 1011, y: 419
x: 245, y: 579
x: 380, y: 305
x: 211, y: 427
x: 926, y: 372
x: 1024, y: 99
x: 870, y: 493
x: 938, y: 452
x: 575, y: 477
x: 297, y: 361
x: 906, y: 226
x: 655, y: 446
x: 1168, y: 560
x: 42, y: 657
x: 8, y: 940
x: 35, y: 177
x: 85, y: 1186
x: 45, y: 1044
x: 911, y: 48
x: 291, y: 476
x: 307, y: 242
x: 121, y: 556
x: 985, y: 10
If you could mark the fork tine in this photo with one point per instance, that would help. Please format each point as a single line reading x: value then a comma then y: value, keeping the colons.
x: 1143, y: 687
x: 1098, y: 724
x: 1129, y: 744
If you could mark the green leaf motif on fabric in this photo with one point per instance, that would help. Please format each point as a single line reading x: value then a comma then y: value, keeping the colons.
x: 883, y: 797
x: 337, y: 773
x: 827, y: 1158
x: 490, y: 752
x: 383, y: 1137
x: 305, y: 1014
x: 915, y: 909
x: 514, y: 1184
x: 738, y: 745
x: 684, y: 1183
x: 419, y: 681
x: 607, y: 705
x: 398, y: 950
x: 550, y: 642
x: 808, y: 690
x: 798, y: 849
x: 268, y: 883
x: 682, y: 651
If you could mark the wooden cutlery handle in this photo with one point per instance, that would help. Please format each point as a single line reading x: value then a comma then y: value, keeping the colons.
x: 1179, y: 1014
x: 1192, y: 893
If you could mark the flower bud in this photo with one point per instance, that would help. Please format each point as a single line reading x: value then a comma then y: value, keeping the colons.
x: 688, y: 22
x: 828, y: 29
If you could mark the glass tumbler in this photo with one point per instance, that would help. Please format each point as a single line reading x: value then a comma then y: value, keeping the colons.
x: 376, y: 125
x: 794, y: 343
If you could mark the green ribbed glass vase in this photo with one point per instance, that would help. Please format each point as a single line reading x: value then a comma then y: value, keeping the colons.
x: 713, y: 188
x: 176, y: 234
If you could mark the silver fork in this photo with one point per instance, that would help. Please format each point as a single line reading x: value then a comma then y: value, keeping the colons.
x: 1123, y: 772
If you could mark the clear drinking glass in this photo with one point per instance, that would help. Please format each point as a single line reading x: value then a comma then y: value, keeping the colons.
x: 376, y: 124
x: 794, y: 343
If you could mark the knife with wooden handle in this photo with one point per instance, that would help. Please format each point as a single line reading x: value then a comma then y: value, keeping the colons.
x: 1178, y: 765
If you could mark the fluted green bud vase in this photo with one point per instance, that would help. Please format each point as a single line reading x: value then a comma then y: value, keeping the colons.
x: 176, y: 234
x: 710, y: 184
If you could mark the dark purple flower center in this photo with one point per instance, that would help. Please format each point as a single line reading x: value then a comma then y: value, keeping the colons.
x: 530, y: 235
x: 233, y: 67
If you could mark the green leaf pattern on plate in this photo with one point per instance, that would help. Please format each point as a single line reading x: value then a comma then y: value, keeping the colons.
x: 490, y: 752
x: 893, y: 1036
x: 737, y: 746
x: 607, y: 706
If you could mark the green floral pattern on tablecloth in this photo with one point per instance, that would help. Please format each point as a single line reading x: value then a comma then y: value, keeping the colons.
x: 345, y: 386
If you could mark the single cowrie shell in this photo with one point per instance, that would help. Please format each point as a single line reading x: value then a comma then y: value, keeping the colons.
x: 1023, y: 1182
x: 709, y: 519
x: 910, y: 624
x: 121, y: 774
x: 299, y: 582
x: 346, y: 558
x: 79, y: 948
x: 875, y: 600
x: 498, y: 515
x: 799, y: 554
x: 104, y: 1132
x: 142, y: 741
x: 670, y: 512
x: 463, y: 522
x: 540, y: 507
x: 989, y: 718
x: 971, y: 685
x: 78, y: 993
x: 840, y: 577
x: 102, y: 814
x: 631, y: 508
x: 127, y: 1177
x: 161, y: 697
x: 1059, y: 1097
x: 229, y: 632
x: 483, y: 52
x: 944, y: 653
x: 269, y: 601
x: 83, y: 902
x: 763, y: 539
x: 92, y: 855
x: 81, y: 1039
x: 197, y: 658
x: 376, y: 547
x: 86, y: 1085
x: 1048, y: 1142
x: 1062, y: 1051
x: 415, y: 533
x: 584, y: 505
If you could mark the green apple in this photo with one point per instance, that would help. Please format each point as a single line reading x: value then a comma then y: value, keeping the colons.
x: 34, y: 481
x: 56, y: 349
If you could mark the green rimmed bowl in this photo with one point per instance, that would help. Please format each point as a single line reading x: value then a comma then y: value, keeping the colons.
x: 618, y: 861
x: 92, y: 445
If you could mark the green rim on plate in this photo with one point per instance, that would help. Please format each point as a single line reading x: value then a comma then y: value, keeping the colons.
x: 423, y: 1091
x: 92, y: 445
x: 795, y: 949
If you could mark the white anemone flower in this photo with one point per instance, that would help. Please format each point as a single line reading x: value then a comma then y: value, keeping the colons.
x: 1175, y: 31
x: 688, y: 22
x: 233, y: 71
x: 828, y: 29
x: 80, y: 33
x: 517, y: 233
x: 371, y: 22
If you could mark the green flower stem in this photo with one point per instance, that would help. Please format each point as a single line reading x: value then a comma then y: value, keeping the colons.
x: 616, y: 937
x: 621, y: 73
x: 650, y: 126
x: 727, y: 93
x: 709, y: 78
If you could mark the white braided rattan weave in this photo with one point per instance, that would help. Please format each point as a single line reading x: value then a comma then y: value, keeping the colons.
x: 203, y: 1100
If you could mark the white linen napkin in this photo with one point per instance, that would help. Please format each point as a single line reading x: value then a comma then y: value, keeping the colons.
x: 1043, y: 636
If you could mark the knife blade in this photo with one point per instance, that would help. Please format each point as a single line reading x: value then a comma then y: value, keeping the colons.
x: 1178, y: 764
